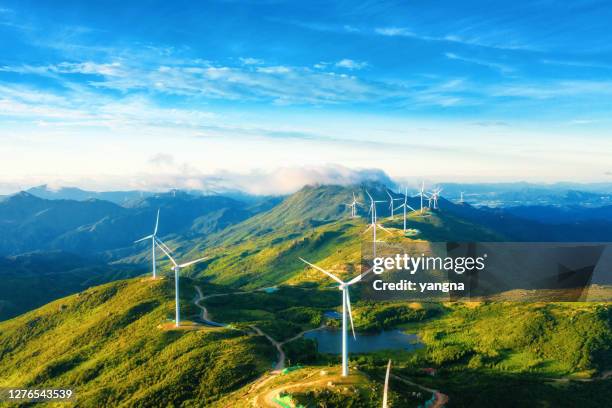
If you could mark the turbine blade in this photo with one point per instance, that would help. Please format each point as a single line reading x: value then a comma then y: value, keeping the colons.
x: 145, y: 238
x: 156, y: 223
x: 368, y: 193
x: 359, y: 277
x: 384, y: 229
x: 411, y: 208
x: 324, y: 271
x: 350, y: 312
x: 164, y: 244
x: 183, y: 265
x: 161, y: 246
x: 386, y: 389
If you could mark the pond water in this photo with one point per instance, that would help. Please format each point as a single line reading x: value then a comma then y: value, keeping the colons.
x: 330, y: 341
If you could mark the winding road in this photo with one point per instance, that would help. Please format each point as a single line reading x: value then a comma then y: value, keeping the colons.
x: 205, y: 317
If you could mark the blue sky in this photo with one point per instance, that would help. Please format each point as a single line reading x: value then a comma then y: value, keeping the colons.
x: 259, y: 93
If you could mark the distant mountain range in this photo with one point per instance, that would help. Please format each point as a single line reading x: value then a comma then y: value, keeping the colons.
x: 478, y: 194
x: 529, y: 194
x: 29, y: 223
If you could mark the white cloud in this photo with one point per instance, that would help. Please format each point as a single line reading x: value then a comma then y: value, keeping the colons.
x: 351, y: 64
x: 251, y: 61
x: 395, y: 32
x: 503, y: 68
x: 554, y: 89
x: 494, y: 41
x: 282, y: 180
x: 274, y: 70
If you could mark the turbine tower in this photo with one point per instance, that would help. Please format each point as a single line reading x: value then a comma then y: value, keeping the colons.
x: 177, y: 267
x: 152, y: 237
x: 346, y: 310
x: 374, y: 224
x: 461, y: 201
x: 353, y: 206
x: 386, y: 389
x: 391, y: 206
x: 406, y: 206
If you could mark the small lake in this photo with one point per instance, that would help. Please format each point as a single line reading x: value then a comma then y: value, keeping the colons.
x: 330, y: 341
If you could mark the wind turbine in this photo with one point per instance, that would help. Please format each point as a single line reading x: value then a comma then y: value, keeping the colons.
x: 386, y: 389
x: 435, y: 195
x: 422, y: 194
x: 353, y: 206
x: 406, y: 206
x: 391, y: 206
x: 177, y: 267
x: 346, y: 309
x: 374, y: 224
x: 461, y: 201
x: 152, y: 237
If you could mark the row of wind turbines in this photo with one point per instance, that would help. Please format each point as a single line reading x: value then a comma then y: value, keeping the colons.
x: 432, y: 198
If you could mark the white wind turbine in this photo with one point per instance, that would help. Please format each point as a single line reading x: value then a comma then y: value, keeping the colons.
x: 422, y: 194
x: 386, y: 389
x: 434, y: 196
x: 152, y: 237
x: 353, y: 206
x: 406, y: 206
x: 391, y: 205
x: 346, y: 310
x: 374, y: 224
x: 177, y: 267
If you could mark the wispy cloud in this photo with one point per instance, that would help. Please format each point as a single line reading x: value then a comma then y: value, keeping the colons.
x: 351, y: 64
x: 278, y: 84
x: 554, y: 89
x: 251, y: 61
x: 502, y: 68
x: 579, y: 64
x: 452, y: 38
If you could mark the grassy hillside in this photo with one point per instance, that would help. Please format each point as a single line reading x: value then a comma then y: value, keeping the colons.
x: 112, y: 345
x: 314, y: 224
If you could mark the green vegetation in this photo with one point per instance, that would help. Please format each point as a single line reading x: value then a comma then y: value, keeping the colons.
x: 376, y: 316
x: 115, y: 346
x: 552, y: 339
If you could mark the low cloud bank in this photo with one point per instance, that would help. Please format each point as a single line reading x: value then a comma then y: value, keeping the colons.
x: 284, y: 180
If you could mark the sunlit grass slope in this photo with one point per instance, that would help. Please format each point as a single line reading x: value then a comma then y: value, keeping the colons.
x: 108, y: 343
